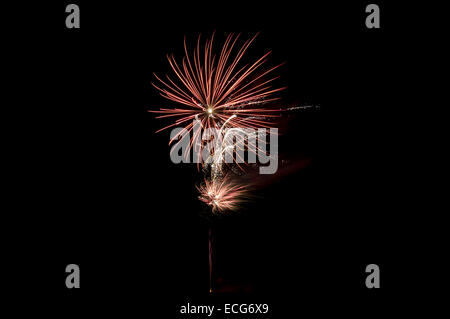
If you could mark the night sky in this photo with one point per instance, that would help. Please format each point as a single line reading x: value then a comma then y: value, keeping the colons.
x: 102, y: 192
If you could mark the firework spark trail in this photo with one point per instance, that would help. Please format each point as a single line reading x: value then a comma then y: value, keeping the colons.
x: 233, y: 141
x: 303, y: 107
x: 216, y: 90
x: 210, y: 259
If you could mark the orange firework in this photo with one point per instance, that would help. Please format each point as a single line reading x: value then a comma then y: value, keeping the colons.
x: 221, y: 195
x: 213, y: 89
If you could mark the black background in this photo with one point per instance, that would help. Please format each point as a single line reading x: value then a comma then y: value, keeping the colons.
x: 97, y: 188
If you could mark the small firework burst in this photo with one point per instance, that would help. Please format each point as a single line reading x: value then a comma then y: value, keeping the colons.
x: 221, y: 195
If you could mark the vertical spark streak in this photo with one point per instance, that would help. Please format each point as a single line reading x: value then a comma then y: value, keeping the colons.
x: 210, y: 259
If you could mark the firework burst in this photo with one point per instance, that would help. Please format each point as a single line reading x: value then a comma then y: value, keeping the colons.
x: 215, y: 90
x: 221, y: 195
